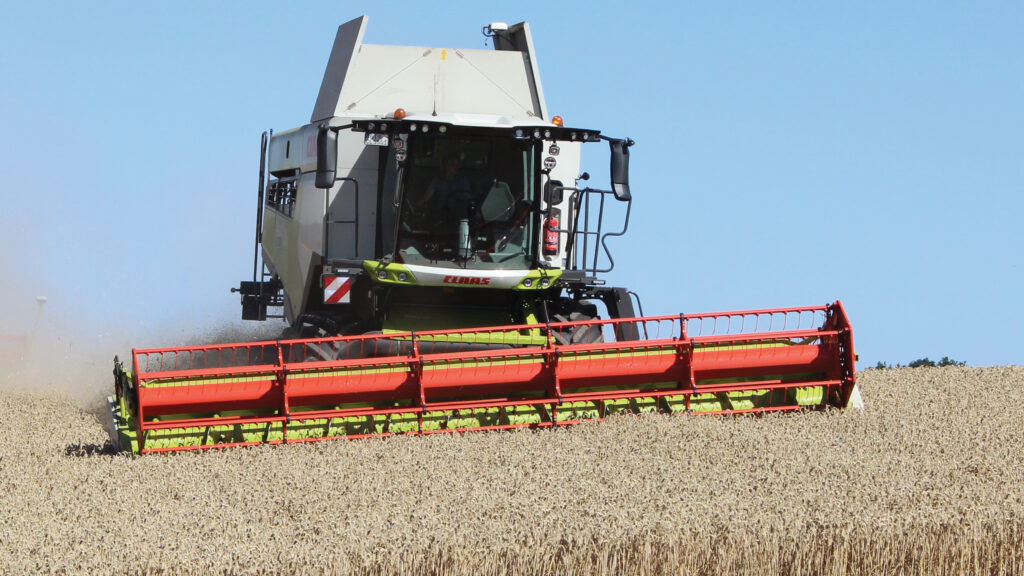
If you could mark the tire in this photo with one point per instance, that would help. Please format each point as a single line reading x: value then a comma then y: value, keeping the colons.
x: 577, y: 334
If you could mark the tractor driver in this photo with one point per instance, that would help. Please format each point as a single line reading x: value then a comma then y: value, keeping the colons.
x: 449, y: 192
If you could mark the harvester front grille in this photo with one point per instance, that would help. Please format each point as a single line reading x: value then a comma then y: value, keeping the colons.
x: 484, y: 379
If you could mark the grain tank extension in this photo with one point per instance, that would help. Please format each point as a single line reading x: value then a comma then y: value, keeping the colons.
x: 429, y: 239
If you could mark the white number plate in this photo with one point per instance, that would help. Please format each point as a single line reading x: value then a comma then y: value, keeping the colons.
x: 372, y: 139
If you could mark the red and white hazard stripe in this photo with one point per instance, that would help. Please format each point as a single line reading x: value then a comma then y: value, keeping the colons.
x: 337, y: 289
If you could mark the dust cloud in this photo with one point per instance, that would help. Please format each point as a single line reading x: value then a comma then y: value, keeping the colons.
x: 49, y: 349
x: 56, y: 336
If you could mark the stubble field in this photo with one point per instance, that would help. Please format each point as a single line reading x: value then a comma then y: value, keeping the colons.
x: 928, y: 479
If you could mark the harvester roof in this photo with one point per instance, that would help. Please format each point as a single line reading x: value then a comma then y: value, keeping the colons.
x: 365, y: 79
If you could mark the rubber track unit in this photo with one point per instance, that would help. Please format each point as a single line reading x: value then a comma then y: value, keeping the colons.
x: 223, y: 395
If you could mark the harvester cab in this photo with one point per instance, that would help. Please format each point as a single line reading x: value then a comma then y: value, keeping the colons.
x: 427, y: 240
x: 431, y: 190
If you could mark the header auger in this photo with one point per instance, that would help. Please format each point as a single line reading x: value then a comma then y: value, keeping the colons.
x: 428, y: 241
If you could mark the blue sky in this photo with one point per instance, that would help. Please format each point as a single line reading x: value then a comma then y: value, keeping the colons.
x: 787, y: 154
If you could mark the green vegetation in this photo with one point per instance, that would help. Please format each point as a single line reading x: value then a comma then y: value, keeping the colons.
x: 922, y: 363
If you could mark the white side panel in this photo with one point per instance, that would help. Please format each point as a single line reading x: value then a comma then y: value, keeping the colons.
x: 384, y: 78
x: 286, y: 150
x: 519, y: 38
x: 309, y: 212
x: 346, y: 42
x: 342, y: 236
x: 486, y: 82
x: 293, y: 246
x: 567, y: 163
x: 567, y: 168
x: 446, y: 81
x: 355, y: 160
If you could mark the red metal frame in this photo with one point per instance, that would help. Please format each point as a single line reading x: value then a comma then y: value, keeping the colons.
x: 687, y: 354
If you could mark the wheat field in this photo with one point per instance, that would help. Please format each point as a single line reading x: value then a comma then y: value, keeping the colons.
x: 928, y: 479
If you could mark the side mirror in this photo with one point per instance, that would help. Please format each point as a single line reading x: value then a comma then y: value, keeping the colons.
x: 326, y: 156
x: 554, y: 193
x: 620, y: 168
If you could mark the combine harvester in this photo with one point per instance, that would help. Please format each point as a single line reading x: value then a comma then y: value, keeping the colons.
x: 428, y: 242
